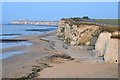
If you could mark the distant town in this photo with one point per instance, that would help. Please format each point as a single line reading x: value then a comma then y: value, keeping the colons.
x: 25, y: 21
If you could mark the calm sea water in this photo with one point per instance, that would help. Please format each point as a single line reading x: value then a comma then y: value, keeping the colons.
x: 20, y: 30
x: 11, y: 31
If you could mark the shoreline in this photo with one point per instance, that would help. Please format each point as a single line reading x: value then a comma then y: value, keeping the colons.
x: 34, y: 54
x: 28, y: 58
x: 29, y: 24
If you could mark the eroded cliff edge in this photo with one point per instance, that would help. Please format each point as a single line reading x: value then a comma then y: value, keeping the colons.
x: 99, y: 36
x: 78, y: 33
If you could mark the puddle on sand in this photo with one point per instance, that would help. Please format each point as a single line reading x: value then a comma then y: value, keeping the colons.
x: 9, y: 54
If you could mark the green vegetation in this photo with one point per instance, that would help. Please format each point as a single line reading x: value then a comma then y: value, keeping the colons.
x: 111, y: 28
x: 62, y: 36
x: 85, y: 17
x: 82, y: 23
x: 76, y: 18
x: 104, y: 27
x: 112, y: 21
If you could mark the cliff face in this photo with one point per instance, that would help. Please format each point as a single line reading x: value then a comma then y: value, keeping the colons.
x: 107, y: 47
x: 84, y: 33
x: 78, y: 33
x: 102, y: 42
x: 111, y: 51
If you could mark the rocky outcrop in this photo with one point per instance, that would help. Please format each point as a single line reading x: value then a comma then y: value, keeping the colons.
x: 78, y: 33
x: 111, y: 51
x: 102, y: 43
x: 107, y: 47
x: 85, y: 33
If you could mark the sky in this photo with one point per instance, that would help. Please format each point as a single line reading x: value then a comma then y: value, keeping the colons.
x: 54, y: 11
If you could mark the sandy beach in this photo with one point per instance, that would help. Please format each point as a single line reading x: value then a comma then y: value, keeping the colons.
x: 72, y: 69
x: 59, y: 40
x: 21, y: 64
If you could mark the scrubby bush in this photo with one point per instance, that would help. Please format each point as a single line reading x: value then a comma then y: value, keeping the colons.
x: 85, y: 17
x: 75, y: 18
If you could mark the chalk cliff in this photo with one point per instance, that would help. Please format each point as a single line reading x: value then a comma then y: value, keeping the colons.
x: 111, y: 51
x: 78, y: 33
x: 108, y: 47
x: 102, y: 42
x: 103, y: 37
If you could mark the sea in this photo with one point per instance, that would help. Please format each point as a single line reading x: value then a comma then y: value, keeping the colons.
x: 11, y: 31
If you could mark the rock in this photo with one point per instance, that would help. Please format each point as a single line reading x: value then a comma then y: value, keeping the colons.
x: 77, y: 34
x: 93, y: 41
x: 111, y: 52
x: 50, y: 46
x: 94, y: 53
x: 102, y: 42
x: 65, y: 45
x: 72, y: 42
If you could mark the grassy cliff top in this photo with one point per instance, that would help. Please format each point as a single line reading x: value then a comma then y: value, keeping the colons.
x: 82, y: 21
x: 112, y: 21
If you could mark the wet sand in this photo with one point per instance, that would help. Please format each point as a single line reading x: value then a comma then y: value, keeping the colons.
x: 21, y: 64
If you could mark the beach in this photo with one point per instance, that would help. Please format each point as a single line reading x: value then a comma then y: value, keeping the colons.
x: 72, y: 69
x: 21, y: 64
x: 46, y: 40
